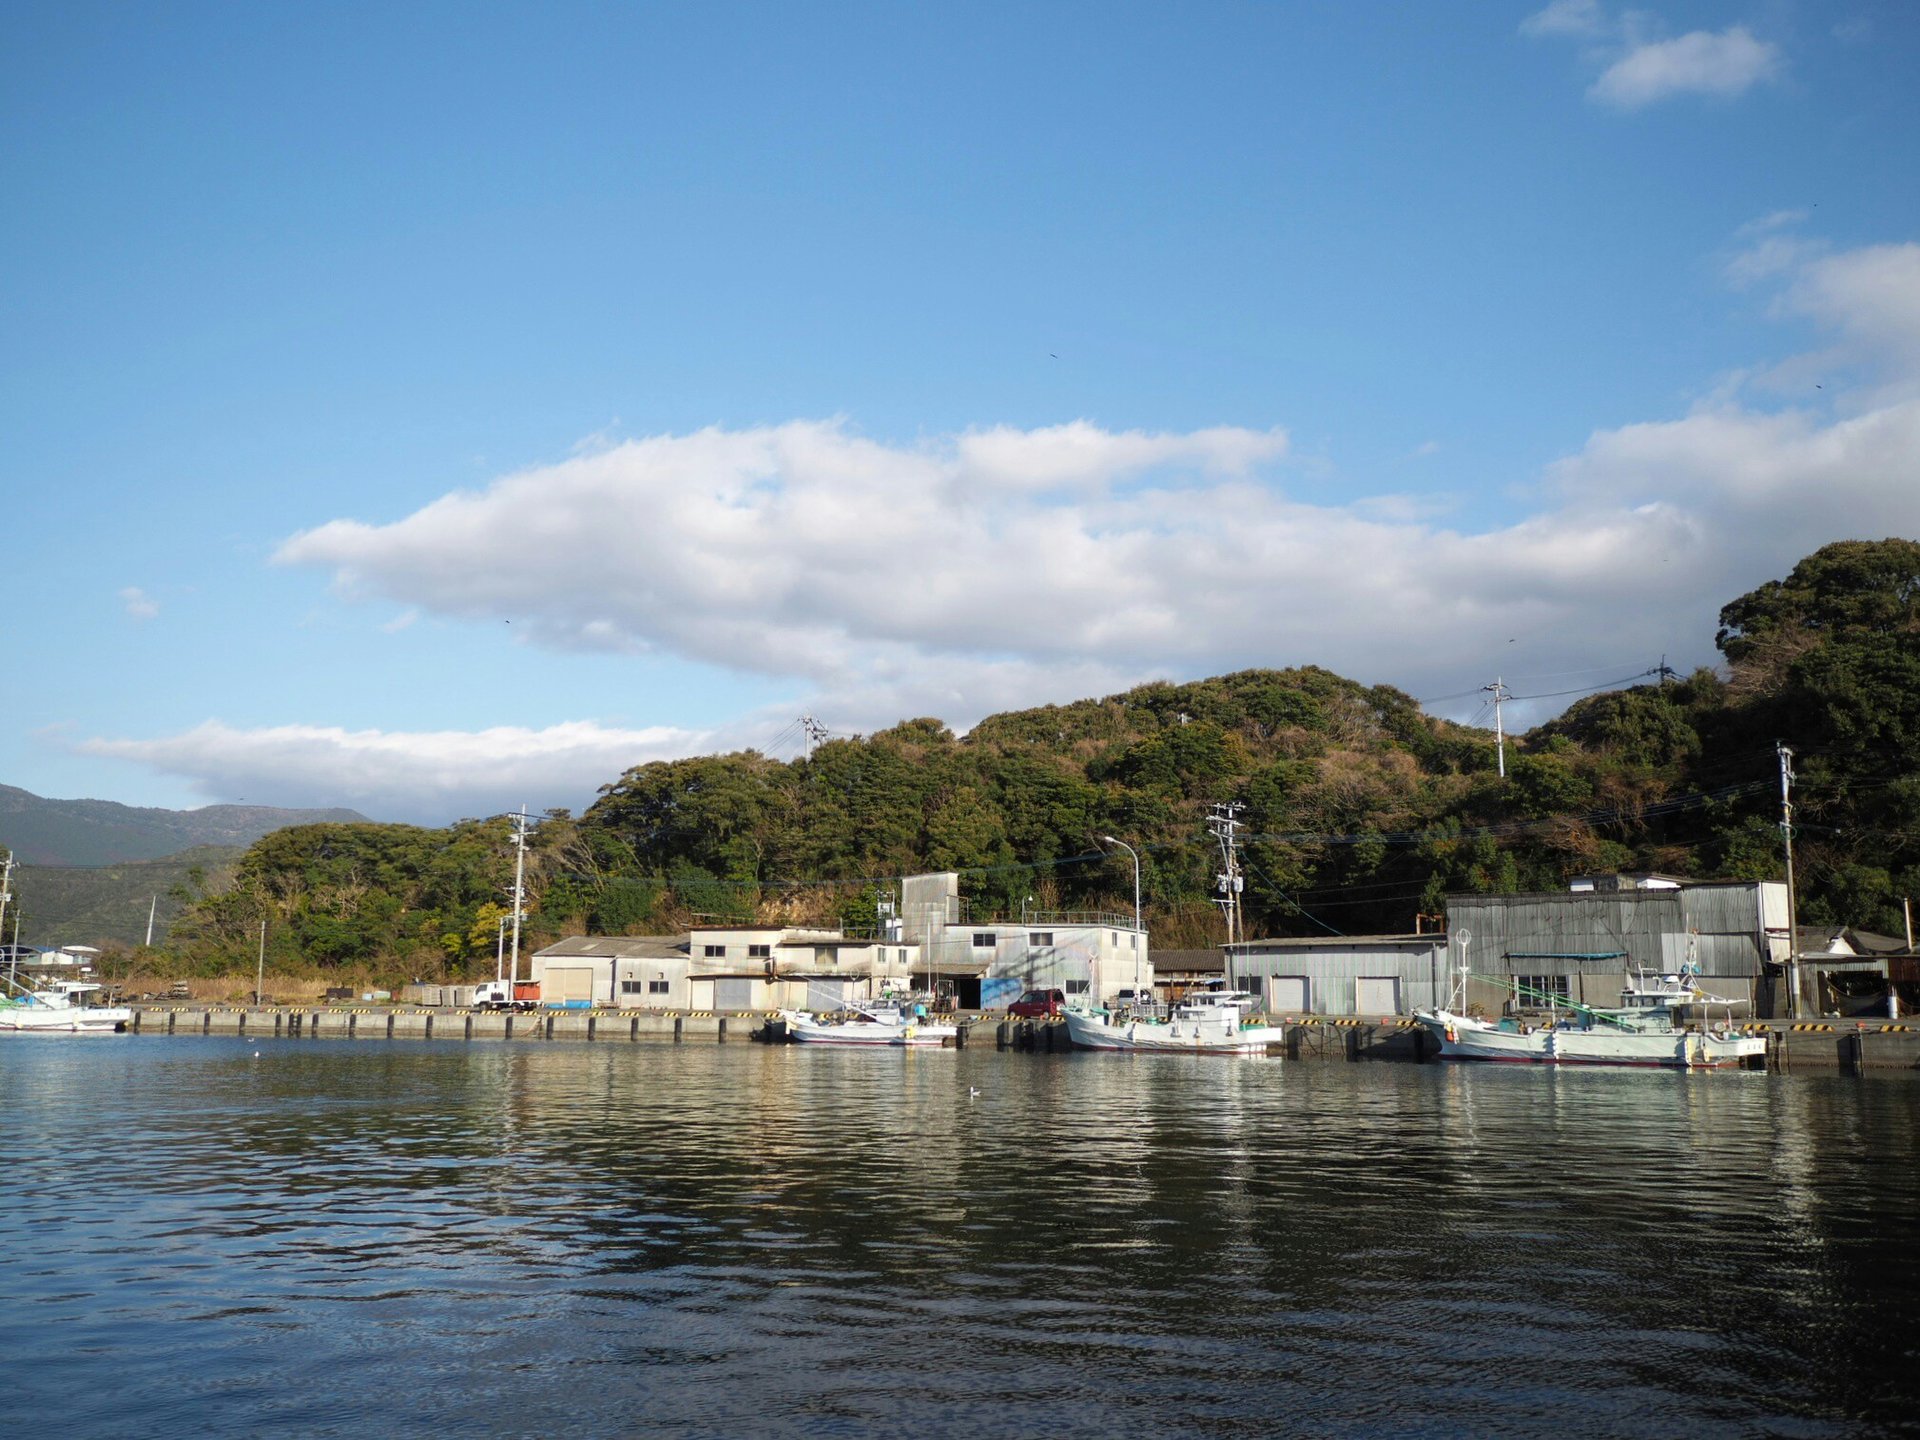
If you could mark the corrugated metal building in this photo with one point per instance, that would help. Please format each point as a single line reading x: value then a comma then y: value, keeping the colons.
x: 1376, y: 975
x: 1583, y: 944
x: 1586, y: 945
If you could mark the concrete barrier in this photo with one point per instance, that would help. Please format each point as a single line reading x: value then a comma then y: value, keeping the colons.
x: 570, y: 1025
x: 411, y: 1024
x: 701, y: 1027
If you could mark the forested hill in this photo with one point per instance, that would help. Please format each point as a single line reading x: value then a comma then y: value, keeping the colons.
x: 1360, y: 811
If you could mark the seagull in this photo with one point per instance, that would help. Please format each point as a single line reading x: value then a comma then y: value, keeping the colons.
x: 973, y: 1091
x: 256, y: 1054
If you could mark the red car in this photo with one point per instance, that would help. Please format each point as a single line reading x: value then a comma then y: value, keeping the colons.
x: 1036, y: 1003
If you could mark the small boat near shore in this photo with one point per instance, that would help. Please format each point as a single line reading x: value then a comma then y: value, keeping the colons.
x: 1642, y: 1031
x: 59, y: 1008
x: 1216, y: 1022
x: 880, y: 1024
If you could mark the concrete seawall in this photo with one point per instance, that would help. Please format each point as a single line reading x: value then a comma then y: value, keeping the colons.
x: 1809, y: 1045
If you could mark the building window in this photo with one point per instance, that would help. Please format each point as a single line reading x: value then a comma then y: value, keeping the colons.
x: 658, y: 987
x: 982, y: 940
x: 759, y: 952
x: 1535, y: 989
x: 632, y: 987
x: 1041, y: 939
x: 715, y: 952
x: 1076, y: 987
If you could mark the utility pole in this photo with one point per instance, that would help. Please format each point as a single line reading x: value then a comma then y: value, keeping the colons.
x: 519, y: 883
x: 1786, y: 839
x: 814, y: 731
x: 1224, y: 825
x: 260, y: 974
x: 152, y: 906
x: 1500, y: 695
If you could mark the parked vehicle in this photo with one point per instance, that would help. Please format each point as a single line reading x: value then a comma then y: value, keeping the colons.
x: 498, y: 995
x: 1038, y: 1003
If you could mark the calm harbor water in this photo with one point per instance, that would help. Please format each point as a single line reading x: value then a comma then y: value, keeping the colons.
x: 350, y: 1237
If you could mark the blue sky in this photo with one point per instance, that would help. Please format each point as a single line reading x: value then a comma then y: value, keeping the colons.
x: 433, y: 408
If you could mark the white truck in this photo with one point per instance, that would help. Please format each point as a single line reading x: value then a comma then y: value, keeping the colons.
x: 498, y: 995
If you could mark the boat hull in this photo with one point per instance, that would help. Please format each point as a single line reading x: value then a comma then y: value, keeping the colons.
x: 1175, y: 1037
x: 869, y: 1033
x: 1463, y: 1038
x: 56, y: 1020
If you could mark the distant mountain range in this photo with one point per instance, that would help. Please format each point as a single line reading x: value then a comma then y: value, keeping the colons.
x: 93, y: 870
x: 103, y: 832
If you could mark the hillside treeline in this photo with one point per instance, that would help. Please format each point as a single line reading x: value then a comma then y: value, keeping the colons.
x: 1359, y: 812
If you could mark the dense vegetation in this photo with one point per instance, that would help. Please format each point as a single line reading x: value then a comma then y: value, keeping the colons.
x: 1360, y: 811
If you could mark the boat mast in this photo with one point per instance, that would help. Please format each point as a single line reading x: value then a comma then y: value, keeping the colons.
x: 6, y: 894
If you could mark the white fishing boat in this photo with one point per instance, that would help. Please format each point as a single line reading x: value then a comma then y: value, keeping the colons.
x: 1642, y: 1031
x: 1213, y: 1022
x: 883, y: 1023
x: 59, y: 1008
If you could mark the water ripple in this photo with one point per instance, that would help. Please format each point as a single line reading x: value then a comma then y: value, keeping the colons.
x: 408, y: 1238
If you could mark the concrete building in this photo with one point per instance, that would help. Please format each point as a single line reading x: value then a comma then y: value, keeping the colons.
x: 985, y: 964
x: 724, y: 968
x: 629, y: 971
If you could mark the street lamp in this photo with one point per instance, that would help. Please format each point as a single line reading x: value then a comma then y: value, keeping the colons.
x: 1138, y: 934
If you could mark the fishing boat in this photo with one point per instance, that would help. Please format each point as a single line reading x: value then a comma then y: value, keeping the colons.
x: 1641, y: 1031
x: 1212, y: 1022
x: 59, y: 1008
x: 883, y: 1023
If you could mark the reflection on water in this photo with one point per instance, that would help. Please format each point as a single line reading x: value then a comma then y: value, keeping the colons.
x: 410, y: 1238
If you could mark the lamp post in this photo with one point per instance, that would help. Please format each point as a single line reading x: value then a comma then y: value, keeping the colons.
x: 1138, y: 934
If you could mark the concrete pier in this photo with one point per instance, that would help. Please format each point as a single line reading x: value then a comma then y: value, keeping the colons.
x: 1858, y: 1046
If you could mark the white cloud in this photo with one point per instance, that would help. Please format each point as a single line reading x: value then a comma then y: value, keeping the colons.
x: 427, y: 776
x: 962, y: 573
x: 138, y: 604
x: 999, y: 568
x: 1700, y: 63
x: 1566, y: 17
x: 1641, y: 68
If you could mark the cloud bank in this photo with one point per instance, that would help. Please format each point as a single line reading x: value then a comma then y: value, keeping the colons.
x: 425, y: 776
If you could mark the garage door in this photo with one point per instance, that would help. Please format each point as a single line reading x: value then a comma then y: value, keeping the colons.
x: 569, y: 986
x: 1376, y: 995
x: 1287, y: 995
x: 733, y: 994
